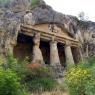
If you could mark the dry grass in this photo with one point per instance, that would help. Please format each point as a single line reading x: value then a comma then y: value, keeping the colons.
x: 52, y: 93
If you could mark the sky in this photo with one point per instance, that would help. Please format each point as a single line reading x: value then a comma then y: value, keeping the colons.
x: 74, y: 7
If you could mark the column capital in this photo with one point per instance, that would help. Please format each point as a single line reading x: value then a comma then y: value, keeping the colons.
x: 37, y: 35
x: 36, y: 39
x: 67, y: 43
x: 53, y: 40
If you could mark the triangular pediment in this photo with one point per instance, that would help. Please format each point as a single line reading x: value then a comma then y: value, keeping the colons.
x: 53, y: 28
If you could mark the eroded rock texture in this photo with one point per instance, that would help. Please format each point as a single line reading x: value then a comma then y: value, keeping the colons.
x: 15, y: 12
x: 9, y: 24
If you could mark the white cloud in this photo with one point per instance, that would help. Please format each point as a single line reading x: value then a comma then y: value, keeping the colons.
x: 73, y: 7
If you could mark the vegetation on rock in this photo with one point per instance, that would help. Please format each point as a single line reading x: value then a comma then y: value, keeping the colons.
x: 9, y: 84
x: 16, y: 79
x: 34, y: 3
x: 10, y: 81
x: 80, y: 80
x: 5, y: 1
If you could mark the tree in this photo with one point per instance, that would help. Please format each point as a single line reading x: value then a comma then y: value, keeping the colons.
x: 82, y: 16
x: 86, y: 33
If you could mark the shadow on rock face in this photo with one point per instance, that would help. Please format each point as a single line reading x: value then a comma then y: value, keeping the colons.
x: 15, y: 5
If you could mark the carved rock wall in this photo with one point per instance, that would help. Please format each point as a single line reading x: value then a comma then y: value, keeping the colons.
x: 13, y: 13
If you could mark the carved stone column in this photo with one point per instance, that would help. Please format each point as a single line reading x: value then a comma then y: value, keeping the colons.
x: 55, y: 60
x: 80, y: 54
x: 37, y: 54
x: 68, y: 54
x: 54, y: 57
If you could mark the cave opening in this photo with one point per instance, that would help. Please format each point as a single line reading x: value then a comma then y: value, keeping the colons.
x: 24, y: 47
x: 45, y: 48
x: 61, y: 53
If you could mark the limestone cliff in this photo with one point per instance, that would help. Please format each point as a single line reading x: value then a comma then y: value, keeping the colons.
x: 14, y: 12
x: 11, y: 13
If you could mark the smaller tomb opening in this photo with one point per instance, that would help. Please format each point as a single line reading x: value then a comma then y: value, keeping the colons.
x: 45, y: 49
x: 24, y: 47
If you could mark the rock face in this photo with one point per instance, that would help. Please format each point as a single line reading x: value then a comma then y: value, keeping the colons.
x: 45, y: 14
x: 15, y: 12
x: 9, y: 25
x: 87, y: 30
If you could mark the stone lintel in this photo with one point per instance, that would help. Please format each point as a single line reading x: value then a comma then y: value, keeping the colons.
x: 48, y: 35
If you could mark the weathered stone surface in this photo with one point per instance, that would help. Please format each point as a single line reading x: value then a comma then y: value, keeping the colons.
x: 9, y: 27
x: 54, y: 56
x: 37, y: 54
x: 15, y: 5
x: 45, y: 14
x: 13, y: 13
x: 69, y: 56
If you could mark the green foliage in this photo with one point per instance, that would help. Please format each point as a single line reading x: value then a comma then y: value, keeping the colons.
x: 34, y: 3
x: 17, y: 66
x: 11, y: 75
x: 41, y: 84
x: 5, y: 1
x: 40, y: 79
x: 9, y: 82
x: 80, y: 80
x: 35, y: 80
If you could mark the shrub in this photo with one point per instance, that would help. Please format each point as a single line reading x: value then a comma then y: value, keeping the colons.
x: 11, y: 75
x: 9, y: 83
x: 35, y: 78
x: 18, y: 66
x: 40, y: 79
x: 41, y: 84
x: 80, y: 80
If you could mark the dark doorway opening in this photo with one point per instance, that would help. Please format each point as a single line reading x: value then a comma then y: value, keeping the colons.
x: 24, y: 47
x: 45, y: 48
x: 61, y: 54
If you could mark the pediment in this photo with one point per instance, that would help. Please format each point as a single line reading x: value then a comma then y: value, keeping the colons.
x: 53, y: 28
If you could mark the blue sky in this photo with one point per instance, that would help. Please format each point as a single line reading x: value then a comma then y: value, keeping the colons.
x: 74, y: 7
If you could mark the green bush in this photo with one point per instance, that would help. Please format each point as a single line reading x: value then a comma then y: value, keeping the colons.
x: 11, y: 74
x: 17, y: 66
x: 9, y: 82
x: 36, y: 79
x: 41, y: 84
x: 40, y: 79
x: 80, y: 80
